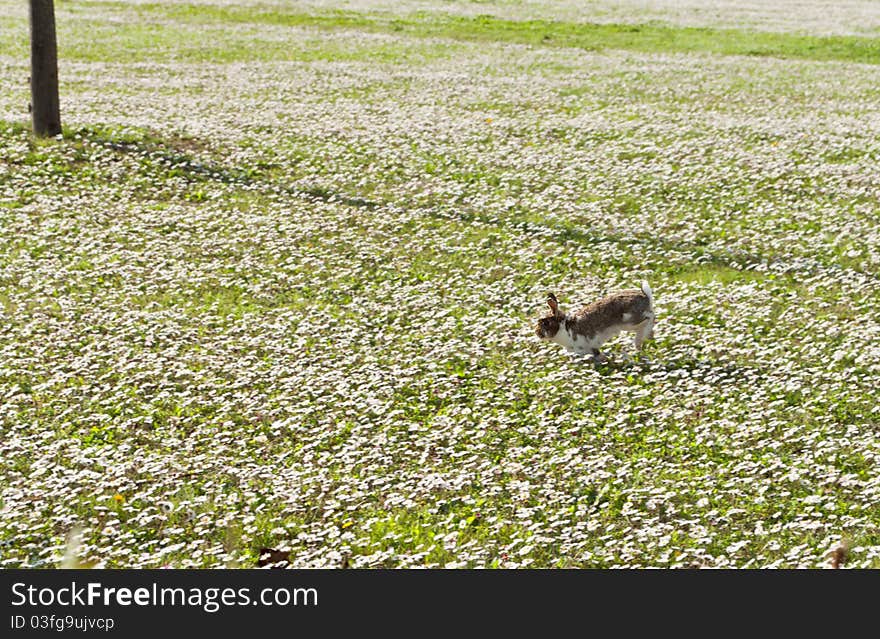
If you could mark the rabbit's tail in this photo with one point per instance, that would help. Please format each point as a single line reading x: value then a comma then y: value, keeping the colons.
x: 646, y: 289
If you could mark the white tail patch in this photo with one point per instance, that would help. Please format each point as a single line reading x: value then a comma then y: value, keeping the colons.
x: 586, y: 331
x: 646, y: 289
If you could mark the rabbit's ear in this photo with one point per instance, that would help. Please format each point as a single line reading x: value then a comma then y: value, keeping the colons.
x: 553, y: 303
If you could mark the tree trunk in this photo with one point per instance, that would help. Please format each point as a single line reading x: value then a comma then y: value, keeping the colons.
x: 44, y: 69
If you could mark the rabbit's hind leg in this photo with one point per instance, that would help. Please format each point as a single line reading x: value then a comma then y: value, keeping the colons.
x: 644, y: 331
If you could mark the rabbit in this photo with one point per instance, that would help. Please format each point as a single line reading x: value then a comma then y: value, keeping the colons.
x: 586, y: 330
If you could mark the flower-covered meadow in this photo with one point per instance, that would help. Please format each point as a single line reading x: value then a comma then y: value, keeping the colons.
x: 276, y: 288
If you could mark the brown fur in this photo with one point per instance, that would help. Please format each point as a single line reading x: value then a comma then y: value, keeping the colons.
x: 548, y: 326
x: 585, y: 330
x: 608, y: 311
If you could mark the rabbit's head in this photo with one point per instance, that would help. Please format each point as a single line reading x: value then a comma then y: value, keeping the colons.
x: 548, y: 326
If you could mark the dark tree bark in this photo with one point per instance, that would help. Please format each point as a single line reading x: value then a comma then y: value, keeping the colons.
x: 45, y: 111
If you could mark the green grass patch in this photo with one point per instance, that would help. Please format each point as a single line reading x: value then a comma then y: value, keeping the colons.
x: 705, y: 274
x: 152, y: 32
x: 648, y: 37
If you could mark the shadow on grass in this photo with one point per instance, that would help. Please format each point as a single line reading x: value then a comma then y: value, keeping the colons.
x: 178, y: 155
x: 643, y: 365
x: 177, y: 152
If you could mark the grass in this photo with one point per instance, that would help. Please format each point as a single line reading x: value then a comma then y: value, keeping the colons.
x: 142, y: 37
x: 264, y: 293
x: 648, y: 38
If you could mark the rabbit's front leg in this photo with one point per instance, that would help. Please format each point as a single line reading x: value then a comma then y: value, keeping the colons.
x: 598, y: 356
